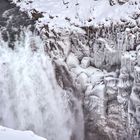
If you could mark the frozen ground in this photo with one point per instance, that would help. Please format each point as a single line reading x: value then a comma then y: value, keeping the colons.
x: 10, y: 134
x: 62, y: 13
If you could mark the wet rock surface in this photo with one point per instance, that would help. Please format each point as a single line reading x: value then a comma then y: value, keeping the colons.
x: 12, y: 22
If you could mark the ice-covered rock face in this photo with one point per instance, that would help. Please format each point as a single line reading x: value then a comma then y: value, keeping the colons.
x: 103, y: 64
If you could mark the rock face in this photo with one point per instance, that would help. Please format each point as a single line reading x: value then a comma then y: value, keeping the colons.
x: 104, y: 67
x: 100, y: 67
x: 12, y: 21
x: 113, y: 2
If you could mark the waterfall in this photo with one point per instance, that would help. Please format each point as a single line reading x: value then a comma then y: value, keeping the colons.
x: 30, y: 98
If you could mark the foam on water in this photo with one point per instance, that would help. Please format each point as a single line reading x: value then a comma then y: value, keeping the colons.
x: 30, y: 98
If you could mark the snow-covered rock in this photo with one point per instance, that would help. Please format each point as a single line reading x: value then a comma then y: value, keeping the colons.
x: 61, y: 13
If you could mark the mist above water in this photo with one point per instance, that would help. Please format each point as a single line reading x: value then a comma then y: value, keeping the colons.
x: 30, y: 98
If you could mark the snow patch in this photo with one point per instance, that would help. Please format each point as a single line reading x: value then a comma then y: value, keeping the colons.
x: 10, y: 134
x: 62, y: 13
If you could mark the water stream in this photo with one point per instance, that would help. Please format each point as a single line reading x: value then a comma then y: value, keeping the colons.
x: 30, y: 98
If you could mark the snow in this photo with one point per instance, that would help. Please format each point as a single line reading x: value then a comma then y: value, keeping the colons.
x: 85, y: 63
x: 72, y: 61
x: 10, y: 134
x: 78, y: 12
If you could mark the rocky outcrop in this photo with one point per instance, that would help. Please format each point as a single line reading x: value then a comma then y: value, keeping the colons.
x: 12, y: 22
x: 113, y: 2
x: 104, y: 67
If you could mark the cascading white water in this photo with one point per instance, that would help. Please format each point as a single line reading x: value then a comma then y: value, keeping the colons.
x: 30, y: 98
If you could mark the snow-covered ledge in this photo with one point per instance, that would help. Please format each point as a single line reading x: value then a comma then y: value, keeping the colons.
x: 10, y: 134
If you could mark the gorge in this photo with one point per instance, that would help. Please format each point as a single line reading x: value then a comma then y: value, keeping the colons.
x: 71, y: 76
